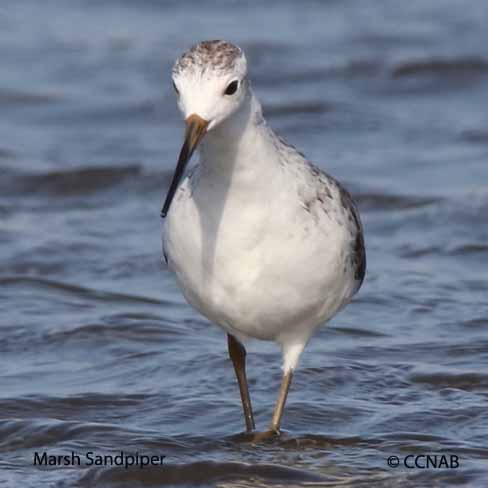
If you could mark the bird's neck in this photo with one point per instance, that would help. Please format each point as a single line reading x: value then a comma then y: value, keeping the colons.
x: 241, y: 148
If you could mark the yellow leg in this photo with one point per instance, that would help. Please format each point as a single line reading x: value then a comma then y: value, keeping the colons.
x: 280, y: 403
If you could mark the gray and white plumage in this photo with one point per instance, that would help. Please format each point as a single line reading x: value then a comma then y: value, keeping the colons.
x: 262, y: 242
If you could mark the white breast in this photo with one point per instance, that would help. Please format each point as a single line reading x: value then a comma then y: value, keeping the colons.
x: 258, y: 265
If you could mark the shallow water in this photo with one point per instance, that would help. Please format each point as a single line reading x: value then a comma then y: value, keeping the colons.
x: 98, y: 350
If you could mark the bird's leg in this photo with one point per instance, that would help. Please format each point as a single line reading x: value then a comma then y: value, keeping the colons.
x: 274, y: 428
x: 237, y: 353
x: 280, y: 402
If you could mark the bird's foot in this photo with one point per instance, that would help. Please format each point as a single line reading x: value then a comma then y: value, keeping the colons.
x: 256, y: 436
x: 264, y: 436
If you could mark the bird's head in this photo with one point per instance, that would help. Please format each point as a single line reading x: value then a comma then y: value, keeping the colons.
x: 210, y: 81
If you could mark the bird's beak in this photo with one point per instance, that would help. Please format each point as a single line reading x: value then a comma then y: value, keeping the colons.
x: 196, y: 128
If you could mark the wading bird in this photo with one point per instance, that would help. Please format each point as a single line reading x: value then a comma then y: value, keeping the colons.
x: 262, y: 242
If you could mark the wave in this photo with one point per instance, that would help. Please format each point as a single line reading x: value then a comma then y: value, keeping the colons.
x: 462, y: 380
x: 453, y: 68
x: 80, y: 291
x: 283, y: 110
x: 387, y: 202
x: 477, y: 136
x: 202, y: 473
x: 84, y: 181
x: 77, y: 181
x: 12, y: 97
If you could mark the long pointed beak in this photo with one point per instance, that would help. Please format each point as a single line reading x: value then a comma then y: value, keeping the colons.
x: 196, y: 127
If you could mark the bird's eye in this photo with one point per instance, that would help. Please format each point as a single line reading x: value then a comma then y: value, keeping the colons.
x: 176, y: 89
x: 232, y: 87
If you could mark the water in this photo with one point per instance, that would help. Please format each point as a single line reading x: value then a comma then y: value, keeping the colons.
x: 98, y: 350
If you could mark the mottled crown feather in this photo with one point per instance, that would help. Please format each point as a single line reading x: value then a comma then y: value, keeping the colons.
x: 219, y: 56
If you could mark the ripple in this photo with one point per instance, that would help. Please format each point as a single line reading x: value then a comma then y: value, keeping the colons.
x: 26, y: 434
x: 453, y: 68
x: 201, y: 473
x: 134, y: 330
x: 357, y: 69
x: 387, y: 202
x: 356, y: 332
x: 12, y: 97
x: 476, y: 322
x: 314, y: 441
x: 83, y: 181
x: 468, y: 249
x: 265, y: 78
x: 68, y: 406
x: 7, y: 154
x: 78, y: 181
x: 137, y: 112
x: 413, y: 251
x: 468, y: 381
x: 80, y: 291
x: 478, y: 136
x: 284, y: 110
x: 416, y: 251
x: 350, y: 70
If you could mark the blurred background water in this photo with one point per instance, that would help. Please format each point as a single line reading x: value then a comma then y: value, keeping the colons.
x: 99, y: 351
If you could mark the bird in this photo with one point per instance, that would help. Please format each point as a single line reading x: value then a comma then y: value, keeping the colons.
x: 261, y: 241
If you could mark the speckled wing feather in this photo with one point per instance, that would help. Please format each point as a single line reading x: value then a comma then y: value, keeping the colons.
x: 317, y: 194
x: 324, y: 189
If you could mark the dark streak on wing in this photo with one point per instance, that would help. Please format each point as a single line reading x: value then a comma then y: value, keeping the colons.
x: 291, y: 146
x: 357, y: 254
x: 360, y: 259
x: 358, y: 249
